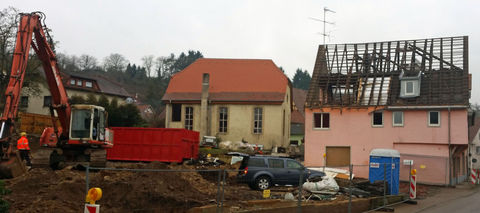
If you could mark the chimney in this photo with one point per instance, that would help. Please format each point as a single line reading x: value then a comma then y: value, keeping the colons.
x: 204, y: 118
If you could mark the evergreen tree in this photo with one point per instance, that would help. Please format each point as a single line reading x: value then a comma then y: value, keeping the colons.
x: 301, y: 79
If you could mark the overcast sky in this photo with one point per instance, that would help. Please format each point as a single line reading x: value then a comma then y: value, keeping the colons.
x: 277, y: 30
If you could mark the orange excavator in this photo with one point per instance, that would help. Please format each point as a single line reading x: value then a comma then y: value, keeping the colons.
x: 82, y: 135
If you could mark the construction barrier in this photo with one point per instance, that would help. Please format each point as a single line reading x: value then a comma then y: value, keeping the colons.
x: 92, y: 208
x: 413, y: 184
x: 473, y: 176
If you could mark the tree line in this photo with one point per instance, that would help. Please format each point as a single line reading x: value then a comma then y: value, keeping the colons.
x: 146, y: 81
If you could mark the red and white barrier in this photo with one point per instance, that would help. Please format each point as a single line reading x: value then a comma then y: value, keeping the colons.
x: 474, y: 176
x: 478, y: 175
x: 92, y: 208
x: 413, y: 184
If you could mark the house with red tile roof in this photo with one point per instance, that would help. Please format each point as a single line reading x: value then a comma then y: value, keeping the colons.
x: 233, y: 99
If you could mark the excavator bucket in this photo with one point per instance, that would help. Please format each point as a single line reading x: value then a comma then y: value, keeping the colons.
x: 12, y: 167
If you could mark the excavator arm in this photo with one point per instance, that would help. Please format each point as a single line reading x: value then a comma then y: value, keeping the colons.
x: 31, y: 25
x: 89, y: 136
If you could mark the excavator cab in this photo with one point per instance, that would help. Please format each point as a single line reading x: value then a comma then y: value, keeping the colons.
x: 88, y: 123
x: 88, y: 137
x: 88, y: 128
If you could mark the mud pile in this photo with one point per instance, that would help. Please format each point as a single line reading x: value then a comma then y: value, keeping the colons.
x: 44, y: 190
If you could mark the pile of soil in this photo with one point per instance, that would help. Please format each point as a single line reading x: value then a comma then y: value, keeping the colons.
x: 45, y: 190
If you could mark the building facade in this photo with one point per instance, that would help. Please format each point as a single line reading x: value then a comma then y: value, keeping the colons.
x: 75, y: 85
x: 411, y: 96
x: 232, y: 99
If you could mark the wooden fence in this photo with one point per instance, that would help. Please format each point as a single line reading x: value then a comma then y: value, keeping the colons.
x: 34, y: 123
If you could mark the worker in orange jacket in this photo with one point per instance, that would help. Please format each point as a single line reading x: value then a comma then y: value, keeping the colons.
x: 23, y: 148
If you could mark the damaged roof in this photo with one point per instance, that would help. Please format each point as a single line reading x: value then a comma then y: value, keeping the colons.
x: 230, y: 80
x: 369, y: 74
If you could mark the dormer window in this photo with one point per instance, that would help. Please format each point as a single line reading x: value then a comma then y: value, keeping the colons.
x: 79, y: 83
x: 410, y: 84
x: 88, y: 84
x: 72, y: 82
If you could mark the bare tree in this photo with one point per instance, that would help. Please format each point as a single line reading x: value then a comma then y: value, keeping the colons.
x: 8, y: 26
x: 115, y: 63
x: 87, y: 62
x: 160, y: 66
x: 148, y: 64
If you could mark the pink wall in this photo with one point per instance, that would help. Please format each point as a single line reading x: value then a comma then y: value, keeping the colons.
x: 352, y: 127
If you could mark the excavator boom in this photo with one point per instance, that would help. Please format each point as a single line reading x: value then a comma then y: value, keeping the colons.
x: 89, y: 133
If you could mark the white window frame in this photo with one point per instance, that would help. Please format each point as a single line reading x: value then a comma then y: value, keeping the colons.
x: 79, y: 83
x: 413, y: 88
x: 73, y: 82
x: 377, y: 125
x: 393, y: 118
x: 221, y: 128
x: 439, y: 119
x: 321, y: 121
x: 188, y: 123
x: 88, y: 84
x: 256, y: 118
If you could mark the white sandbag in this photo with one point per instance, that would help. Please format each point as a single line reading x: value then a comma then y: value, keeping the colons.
x: 327, y: 184
x: 225, y: 145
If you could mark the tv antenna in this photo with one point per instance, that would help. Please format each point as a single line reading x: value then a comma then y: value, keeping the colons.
x: 325, y: 10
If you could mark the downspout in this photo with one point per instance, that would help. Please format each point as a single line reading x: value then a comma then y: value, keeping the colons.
x: 449, y: 151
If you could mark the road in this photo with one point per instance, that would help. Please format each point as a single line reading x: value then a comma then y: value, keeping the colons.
x: 458, y: 200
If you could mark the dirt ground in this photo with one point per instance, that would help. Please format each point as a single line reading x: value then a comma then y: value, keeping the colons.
x: 45, y: 190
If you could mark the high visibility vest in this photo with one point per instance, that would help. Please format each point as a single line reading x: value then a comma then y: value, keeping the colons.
x: 22, y: 143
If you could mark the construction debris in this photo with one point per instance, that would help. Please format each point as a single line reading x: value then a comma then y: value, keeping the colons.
x: 326, y: 184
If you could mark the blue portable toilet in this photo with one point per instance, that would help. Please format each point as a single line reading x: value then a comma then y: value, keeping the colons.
x: 390, y: 158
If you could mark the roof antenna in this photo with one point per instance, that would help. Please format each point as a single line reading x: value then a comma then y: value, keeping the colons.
x: 325, y: 10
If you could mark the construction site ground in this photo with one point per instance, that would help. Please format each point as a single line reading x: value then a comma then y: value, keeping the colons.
x: 45, y: 190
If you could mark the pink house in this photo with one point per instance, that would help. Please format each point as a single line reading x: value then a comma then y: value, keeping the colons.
x: 410, y: 95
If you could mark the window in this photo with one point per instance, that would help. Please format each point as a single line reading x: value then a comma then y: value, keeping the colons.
x: 189, y: 118
x: 397, y: 118
x: 24, y: 101
x: 293, y: 165
x: 79, y: 83
x: 321, y: 120
x: 81, y: 123
x: 275, y: 163
x: 176, y: 112
x: 434, y: 118
x: 257, y: 120
x: 409, y: 88
x: 223, y: 119
x: 88, y: 84
x: 377, y: 119
x: 72, y: 81
x: 256, y: 162
x: 477, y: 148
x: 47, y: 101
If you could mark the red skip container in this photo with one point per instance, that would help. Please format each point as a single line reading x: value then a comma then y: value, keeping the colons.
x: 153, y: 144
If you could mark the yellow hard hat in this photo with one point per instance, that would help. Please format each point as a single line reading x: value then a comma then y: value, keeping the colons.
x: 23, y: 134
